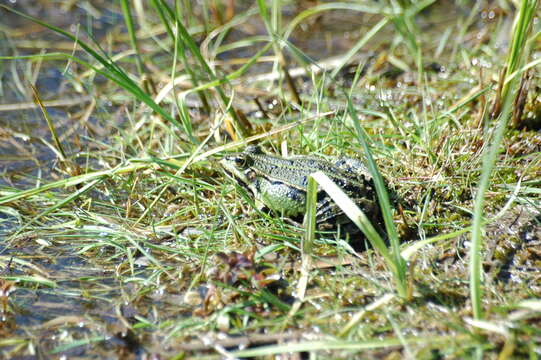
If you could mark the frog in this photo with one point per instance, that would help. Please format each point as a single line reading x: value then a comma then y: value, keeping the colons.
x: 279, y: 184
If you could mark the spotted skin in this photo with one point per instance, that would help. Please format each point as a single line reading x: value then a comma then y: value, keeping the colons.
x: 280, y: 183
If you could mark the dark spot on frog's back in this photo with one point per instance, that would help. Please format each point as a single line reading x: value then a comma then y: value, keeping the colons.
x: 297, y: 196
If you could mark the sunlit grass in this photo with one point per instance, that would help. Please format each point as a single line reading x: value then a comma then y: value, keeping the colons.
x: 517, y: 56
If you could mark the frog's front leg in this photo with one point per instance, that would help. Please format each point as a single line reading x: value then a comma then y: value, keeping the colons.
x: 281, y: 197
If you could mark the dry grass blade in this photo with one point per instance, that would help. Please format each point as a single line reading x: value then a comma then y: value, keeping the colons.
x: 58, y: 144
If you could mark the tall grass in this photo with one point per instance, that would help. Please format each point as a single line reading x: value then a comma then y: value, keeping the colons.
x: 516, y: 57
x: 187, y: 41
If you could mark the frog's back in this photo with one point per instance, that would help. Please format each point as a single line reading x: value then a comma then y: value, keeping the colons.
x: 295, y: 170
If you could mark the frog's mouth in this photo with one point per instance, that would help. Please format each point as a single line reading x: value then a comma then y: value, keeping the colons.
x: 231, y: 175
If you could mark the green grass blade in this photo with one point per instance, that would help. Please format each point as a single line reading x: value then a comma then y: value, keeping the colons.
x: 167, y: 15
x: 310, y: 217
x: 522, y: 24
x: 58, y: 205
x: 72, y: 181
x: 362, y: 42
x: 344, y: 345
x: 33, y: 279
x: 76, y: 343
x: 357, y: 216
x: 234, y: 75
x: 126, y: 11
x: 518, y: 49
x: 383, y: 199
x: 188, y: 41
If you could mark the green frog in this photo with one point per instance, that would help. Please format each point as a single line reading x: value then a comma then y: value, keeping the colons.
x: 279, y: 184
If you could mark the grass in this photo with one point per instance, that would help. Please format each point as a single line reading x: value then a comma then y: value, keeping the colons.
x: 121, y: 234
x: 515, y: 58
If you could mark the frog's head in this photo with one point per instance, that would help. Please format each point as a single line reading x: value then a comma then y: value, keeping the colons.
x: 238, y: 166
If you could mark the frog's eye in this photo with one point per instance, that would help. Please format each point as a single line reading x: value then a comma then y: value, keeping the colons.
x: 240, y: 161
